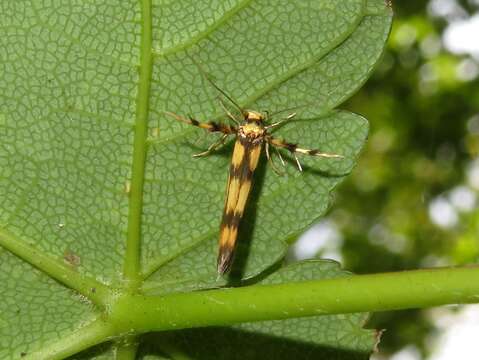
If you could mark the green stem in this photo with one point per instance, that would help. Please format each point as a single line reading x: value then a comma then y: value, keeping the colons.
x: 132, y: 260
x: 79, y: 340
x: 361, y: 293
x: 89, y: 287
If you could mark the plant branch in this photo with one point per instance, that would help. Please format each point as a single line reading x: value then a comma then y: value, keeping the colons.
x: 361, y: 293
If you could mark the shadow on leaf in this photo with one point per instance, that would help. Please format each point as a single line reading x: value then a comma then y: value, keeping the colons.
x: 231, y: 344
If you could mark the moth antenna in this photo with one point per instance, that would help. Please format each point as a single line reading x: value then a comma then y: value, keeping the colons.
x: 224, y: 93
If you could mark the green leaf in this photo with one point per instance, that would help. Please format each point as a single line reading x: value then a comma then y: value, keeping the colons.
x: 80, y: 106
x: 319, y: 70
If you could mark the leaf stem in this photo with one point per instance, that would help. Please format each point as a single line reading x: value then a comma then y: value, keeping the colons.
x: 89, y: 287
x: 361, y: 293
x: 131, y: 268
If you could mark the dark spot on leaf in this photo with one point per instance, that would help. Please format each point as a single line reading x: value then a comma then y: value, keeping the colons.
x: 71, y: 258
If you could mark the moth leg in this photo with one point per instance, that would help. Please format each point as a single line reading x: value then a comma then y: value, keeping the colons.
x: 279, y: 155
x: 209, y: 126
x: 297, y: 162
x: 213, y: 146
x: 230, y: 115
x: 294, y: 150
x: 273, y: 125
x: 270, y: 159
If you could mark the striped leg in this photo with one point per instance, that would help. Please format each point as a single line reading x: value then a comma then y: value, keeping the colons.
x: 294, y: 149
x: 209, y: 126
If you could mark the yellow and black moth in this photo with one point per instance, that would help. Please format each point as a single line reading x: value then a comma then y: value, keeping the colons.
x: 252, y: 132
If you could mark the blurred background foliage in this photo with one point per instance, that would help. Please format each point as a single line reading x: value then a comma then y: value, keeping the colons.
x: 411, y: 201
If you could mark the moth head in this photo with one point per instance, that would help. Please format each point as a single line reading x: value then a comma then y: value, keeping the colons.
x: 253, y: 116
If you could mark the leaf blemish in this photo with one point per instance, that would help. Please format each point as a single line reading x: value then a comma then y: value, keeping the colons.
x: 127, y: 187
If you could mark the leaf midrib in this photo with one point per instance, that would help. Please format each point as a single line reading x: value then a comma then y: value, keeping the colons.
x: 131, y: 269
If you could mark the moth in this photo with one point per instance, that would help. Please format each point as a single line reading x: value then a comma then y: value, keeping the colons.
x: 252, y: 132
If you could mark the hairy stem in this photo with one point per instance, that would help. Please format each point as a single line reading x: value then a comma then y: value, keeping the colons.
x: 362, y: 293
